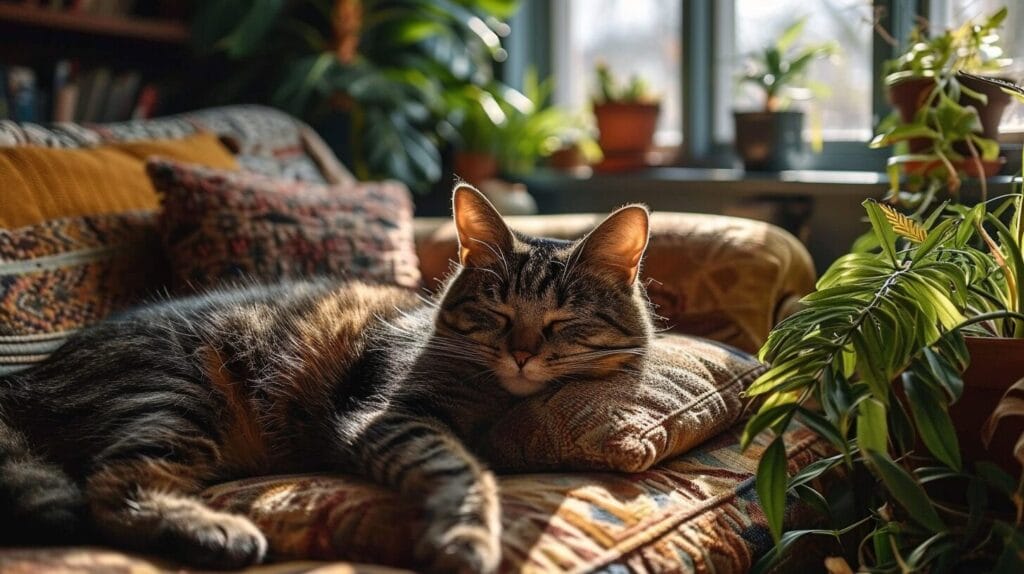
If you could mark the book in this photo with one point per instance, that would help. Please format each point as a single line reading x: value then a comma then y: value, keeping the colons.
x: 65, y: 91
x: 93, y: 92
x: 121, y: 97
x: 4, y: 107
x: 147, y: 103
x: 23, y: 94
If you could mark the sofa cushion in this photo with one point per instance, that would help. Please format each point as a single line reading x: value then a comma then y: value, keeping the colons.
x: 40, y: 184
x: 695, y: 513
x: 220, y: 227
x: 266, y: 140
x: 688, y: 390
x: 78, y: 238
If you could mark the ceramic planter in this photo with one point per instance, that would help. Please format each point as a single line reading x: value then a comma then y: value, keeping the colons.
x: 770, y: 141
x: 996, y: 364
x: 626, y: 133
x: 907, y: 95
x: 475, y: 167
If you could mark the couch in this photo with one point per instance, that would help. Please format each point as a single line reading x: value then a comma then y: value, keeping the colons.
x: 723, y: 278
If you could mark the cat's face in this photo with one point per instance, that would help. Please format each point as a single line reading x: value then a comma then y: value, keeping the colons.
x: 534, y: 311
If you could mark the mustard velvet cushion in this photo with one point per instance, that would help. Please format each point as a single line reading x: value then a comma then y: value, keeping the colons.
x: 42, y: 184
x: 688, y: 391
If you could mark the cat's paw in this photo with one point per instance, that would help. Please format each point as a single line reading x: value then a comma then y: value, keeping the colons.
x: 462, y: 548
x: 218, y: 541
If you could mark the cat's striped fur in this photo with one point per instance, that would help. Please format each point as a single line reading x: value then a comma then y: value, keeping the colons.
x: 124, y: 425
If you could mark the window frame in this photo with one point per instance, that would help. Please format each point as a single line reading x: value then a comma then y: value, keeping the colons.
x: 701, y: 47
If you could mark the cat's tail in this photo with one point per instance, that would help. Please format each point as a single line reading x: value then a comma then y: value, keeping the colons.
x: 39, y: 502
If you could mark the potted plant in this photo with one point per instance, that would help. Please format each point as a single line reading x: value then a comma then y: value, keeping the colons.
x: 772, y: 139
x: 511, y: 134
x: 938, y: 84
x: 627, y: 116
x: 899, y: 359
x: 376, y: 77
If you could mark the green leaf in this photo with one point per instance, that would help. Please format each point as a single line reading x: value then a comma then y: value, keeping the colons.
x: 768, y: 561
x: 823, y: 427
x: 932, y: 419
x: 996, y: 477
x: 771, y: 486
x: 253, y: 27
x: 906, y: 491
x: 763, y: 419
x: 790, y: 35
x: 815, y: 469
x: 872, y: 426
x: 1011, y: 561
x: 883, y: 230
x: 935, y: 236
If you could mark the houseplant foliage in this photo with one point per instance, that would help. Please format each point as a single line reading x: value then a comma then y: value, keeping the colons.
x: 779, y: 72
x: 394, y: 66
x: 872, y: 364
x: 520, y: 132
x: 781, y: 68
x: 947, y: 116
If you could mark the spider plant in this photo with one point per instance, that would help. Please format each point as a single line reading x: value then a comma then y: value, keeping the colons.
x: 872, y: 364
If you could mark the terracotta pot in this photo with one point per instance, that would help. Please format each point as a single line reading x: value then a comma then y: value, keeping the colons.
x: 996, y: 364
x: 989, y: 168
x: 909, y: 94
x: 475, y: 167
x: 567, y: 158
x: 770, y: 141
x: 627, y: 132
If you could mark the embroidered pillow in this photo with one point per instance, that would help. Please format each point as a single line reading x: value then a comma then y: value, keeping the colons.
x: 78, y: 237
x: 223, y: 227
x: 689, y: 390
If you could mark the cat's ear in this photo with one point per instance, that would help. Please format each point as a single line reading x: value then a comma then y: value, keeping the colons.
x: 483, y: 236
x: 617, y: 245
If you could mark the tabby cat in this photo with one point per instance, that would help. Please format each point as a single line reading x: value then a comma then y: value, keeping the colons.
x: 118, y: 431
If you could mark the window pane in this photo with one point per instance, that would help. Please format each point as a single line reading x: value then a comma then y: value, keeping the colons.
x: 951, y: 13
x: 640, y: 37
x: 747, y: 26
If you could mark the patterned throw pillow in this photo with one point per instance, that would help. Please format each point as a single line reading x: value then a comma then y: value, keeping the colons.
x: 223, y: 227
x: 78, y: 237
x: 688, y: 391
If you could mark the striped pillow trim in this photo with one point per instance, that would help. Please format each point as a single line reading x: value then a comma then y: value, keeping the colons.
x: 22, y: 351
x: 62, y: 275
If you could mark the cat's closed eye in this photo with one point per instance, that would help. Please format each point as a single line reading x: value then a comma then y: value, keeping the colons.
x: 553, y: 326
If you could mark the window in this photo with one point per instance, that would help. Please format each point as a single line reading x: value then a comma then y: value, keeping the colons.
x: 949, y: 13
x: 747, y: 26
x: 642, y: 37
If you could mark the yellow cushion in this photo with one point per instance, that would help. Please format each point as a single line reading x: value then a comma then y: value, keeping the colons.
x: 40, y: 184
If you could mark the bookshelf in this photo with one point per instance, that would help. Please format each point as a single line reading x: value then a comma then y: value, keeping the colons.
x: 94, y: 60
x: 149, y: 29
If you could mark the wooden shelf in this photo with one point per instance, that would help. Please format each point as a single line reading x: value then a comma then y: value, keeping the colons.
x: 149, y: 29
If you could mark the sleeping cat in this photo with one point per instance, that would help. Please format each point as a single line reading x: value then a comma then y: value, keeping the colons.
x: 121, y: 428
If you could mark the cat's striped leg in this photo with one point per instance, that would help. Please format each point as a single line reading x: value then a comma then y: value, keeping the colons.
x: 424, y: 461
x: 142, y: 495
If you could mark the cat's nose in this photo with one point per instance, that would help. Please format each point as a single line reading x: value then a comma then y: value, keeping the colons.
x: 522, y: 357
